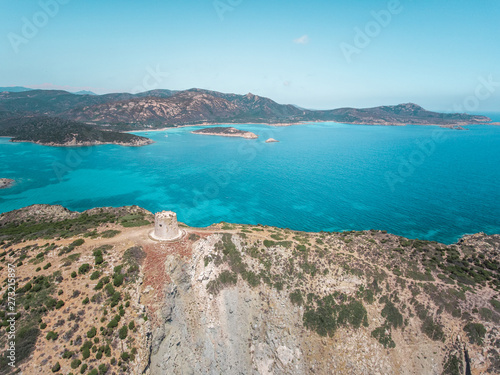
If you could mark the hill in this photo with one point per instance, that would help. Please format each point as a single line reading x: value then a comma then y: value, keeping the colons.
x: 95, y: 292
x: 54, y: 131
x: 165, y: 108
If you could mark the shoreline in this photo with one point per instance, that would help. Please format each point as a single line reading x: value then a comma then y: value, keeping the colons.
x: 86, y: 144
x: 294, y: 124
x: 208, y: 227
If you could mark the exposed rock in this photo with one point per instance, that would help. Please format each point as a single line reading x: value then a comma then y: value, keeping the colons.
x: 271, y: 140
x: 6, y: 183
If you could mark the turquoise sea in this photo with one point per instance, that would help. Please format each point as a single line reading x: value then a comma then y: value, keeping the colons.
x: 416, y: 181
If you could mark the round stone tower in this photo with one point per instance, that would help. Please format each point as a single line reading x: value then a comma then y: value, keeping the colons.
x: 166, y: 228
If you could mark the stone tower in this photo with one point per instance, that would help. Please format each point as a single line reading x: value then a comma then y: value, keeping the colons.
x: 166, y: 228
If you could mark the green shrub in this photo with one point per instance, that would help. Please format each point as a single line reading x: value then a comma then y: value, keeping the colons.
x: 92, y: 332
x: 328, y: 315
x: 56, y: 367
x: 296, y: 297
x: 496, y: 304
x: 432, y: 330
x: 84, y: 268
x: 83, y: 368
x: 383, y: 337
x: 47, y: 266
x: 110, y: 233
x: 73, y: 274
x: 392, y: 315
x: 59, y: 304
x: 115, y: 299
x: 301, y: 248
x: 123, y: 333
x: 476, y: 332
x: 95, y: 275
x: 78, y: 242
x: 118, y: 280
x: 113, y: 323
x: 51, y: 335
x: 75, y: 363
x: 51, y: 303
x: 224, y: 279
x: 125, y: 356
x: 251, y: 278
x: 85, y: 301
x: 354, y: 313
x: 453, y: 366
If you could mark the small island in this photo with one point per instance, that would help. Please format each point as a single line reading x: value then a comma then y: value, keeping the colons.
x: 6, y: 183
x: 52, y: 131
x: 453, y: 127
x: 271, y: 140
x: 226, y: 132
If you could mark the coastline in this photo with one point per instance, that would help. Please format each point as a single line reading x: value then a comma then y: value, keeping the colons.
x: 43, y: 207
x: 295, y: 124
x: 83, y: 144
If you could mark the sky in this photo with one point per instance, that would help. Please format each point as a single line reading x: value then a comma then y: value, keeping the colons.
x: 441, y: 54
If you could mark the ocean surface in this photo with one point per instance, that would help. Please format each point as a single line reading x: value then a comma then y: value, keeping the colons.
x: 416, y: 181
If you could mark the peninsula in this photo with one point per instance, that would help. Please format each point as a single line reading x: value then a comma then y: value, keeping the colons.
x: 226, y: 132
x: 96, y: 292
x: 51, y: 131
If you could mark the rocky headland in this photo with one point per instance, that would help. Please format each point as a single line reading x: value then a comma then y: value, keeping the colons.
x: 51, y: 131
x: 226, y: 132
x: 96, y: 292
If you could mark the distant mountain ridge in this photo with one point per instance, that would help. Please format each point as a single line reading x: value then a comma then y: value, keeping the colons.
x: 22, y: 89
x: 167, y: 108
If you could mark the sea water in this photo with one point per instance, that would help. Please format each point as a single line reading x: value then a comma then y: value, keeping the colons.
x: 416, y: 181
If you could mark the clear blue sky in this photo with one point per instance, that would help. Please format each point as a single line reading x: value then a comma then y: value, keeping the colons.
x: 433, y: 53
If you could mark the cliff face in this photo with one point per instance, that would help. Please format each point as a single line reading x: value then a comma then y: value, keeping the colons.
x: 207, y: 323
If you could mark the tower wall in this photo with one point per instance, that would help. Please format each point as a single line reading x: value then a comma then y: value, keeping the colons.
x: 166, y: 227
